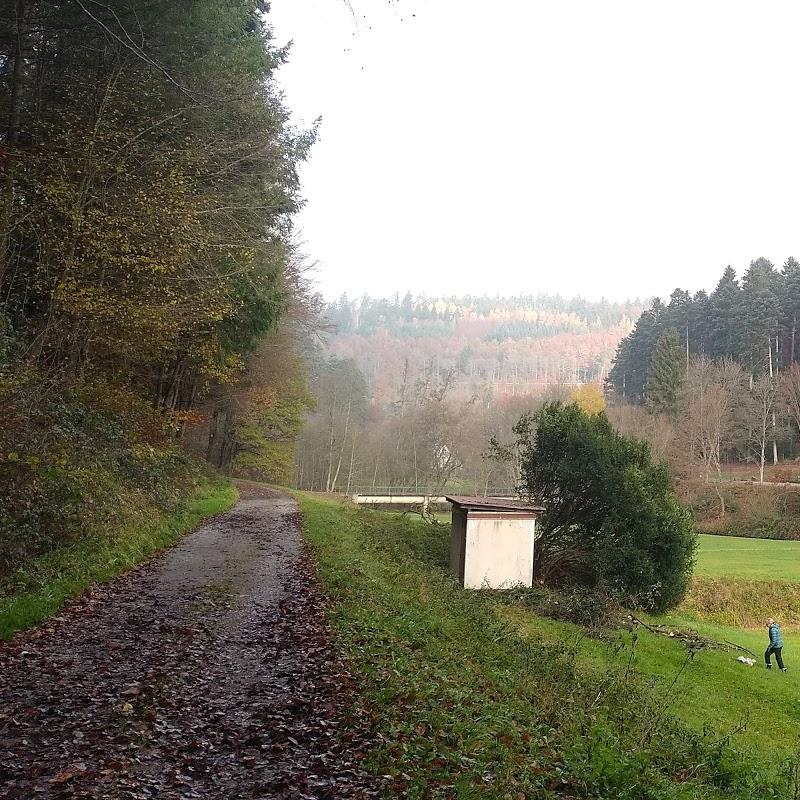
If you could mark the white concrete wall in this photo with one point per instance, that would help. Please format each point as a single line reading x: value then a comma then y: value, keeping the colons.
x: 498, y: 552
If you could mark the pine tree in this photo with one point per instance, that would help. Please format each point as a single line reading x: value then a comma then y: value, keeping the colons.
x: 791, y: 308
x: 760, y: 314
x: 699, y: 329
x: 722, y: 317
x: 632, y: 362
x: 666, y: 375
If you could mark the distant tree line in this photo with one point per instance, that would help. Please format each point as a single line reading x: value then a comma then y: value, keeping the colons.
x: 367, y: 315
x: 521, y: 345
x: 754, y: 322
x: 426, y: 439
x: 714, y: 380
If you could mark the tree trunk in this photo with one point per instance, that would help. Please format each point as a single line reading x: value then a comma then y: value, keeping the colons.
x: 687, y: 351
x: 719, y: 493
x: 774, y: 442
x: 350, y: 471
x: 344, y: 442
x: 771, y: 376
x: 215, y: 451
x: 12, y: 135
x: 330, y: 445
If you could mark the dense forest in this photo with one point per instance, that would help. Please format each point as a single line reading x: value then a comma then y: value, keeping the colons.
x: 148, y: 277
x: 412, y: 391
x: 712, y: 381
x: 754, y: 322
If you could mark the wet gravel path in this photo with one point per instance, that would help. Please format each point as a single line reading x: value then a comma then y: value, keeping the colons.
x: 207, y: 673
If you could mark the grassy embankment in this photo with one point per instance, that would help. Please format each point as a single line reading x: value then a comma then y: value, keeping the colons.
x: 769, y: 510
x: 42, y: 586
x: 474, y: 697
x: 738, y: 583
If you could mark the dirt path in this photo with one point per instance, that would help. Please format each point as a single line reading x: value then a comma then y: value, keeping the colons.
x: 205, y: 674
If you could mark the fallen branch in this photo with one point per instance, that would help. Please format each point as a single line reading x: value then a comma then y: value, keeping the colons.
x: 690, y: 638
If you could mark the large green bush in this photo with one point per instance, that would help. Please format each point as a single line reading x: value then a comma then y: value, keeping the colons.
x: 612, y: 521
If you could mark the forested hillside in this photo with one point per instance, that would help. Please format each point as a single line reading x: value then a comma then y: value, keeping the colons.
x: 411, y: 392
x: 713, y: 382
x: 147, y: 274
x: 516, y: 345
x: 752, y: 321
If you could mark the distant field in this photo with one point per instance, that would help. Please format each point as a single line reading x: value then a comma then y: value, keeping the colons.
x: 749, y: 559
x: 738, y: 557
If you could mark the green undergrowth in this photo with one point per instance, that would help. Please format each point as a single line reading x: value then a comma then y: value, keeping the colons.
x: 472, y: 697
x: 39, y: 589
x: 743, y: 603
x: 753, y: 510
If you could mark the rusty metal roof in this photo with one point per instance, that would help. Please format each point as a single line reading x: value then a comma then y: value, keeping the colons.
x: 491, y: 504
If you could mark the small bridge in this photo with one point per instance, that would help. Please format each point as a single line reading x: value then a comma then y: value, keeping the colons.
x: 403, y: 500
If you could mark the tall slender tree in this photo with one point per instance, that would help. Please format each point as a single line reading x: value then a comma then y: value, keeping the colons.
x: 667, y: 373
x: 791, y: 309
x: 723, y: 317
x: 761, y: 311
x: 631, y: 367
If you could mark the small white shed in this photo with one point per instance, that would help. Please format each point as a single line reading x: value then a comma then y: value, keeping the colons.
x: 492, y: 541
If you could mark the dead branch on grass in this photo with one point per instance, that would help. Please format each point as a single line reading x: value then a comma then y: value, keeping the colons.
x: 692, y: 639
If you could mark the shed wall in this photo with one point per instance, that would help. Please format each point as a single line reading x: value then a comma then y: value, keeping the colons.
x: 458, y: 536
x: 498, y: 552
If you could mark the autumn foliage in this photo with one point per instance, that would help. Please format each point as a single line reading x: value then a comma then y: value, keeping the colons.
x: 146, y: 200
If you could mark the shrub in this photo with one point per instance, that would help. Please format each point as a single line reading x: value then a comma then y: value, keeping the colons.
x: 612, y: 521
x: 596, y: 611
x: 761, y: 511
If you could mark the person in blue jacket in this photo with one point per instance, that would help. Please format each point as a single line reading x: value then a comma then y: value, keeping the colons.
x: 775, y: 645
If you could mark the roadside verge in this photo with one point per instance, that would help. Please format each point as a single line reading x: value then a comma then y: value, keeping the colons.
x: 42, y: 587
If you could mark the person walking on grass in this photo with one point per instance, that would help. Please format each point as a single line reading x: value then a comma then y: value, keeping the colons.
x: 775, y: 645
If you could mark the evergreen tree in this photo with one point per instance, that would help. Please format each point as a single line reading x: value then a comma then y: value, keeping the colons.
x: 632, y: 362
x: 760, y: 315
x: 678, y: 315
x: 612, y: 520
x: 667, y: 372
x: 699, y: 329
x: 722, y: 317
x: 790, y: 308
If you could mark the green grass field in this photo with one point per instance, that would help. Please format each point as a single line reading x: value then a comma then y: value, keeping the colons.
x: 468, y: 684
x: 757, y: 708
x: 751, y: 559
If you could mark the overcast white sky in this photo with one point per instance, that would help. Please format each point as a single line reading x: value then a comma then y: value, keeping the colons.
x: 574, y: 146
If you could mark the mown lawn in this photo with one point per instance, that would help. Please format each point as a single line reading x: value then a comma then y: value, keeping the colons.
x: 474, y: 697
x: 751, y: 559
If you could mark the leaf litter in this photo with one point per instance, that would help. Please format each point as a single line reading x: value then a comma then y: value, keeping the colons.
x: 161, y: 685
